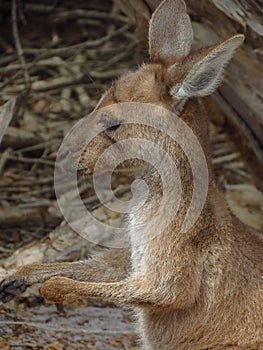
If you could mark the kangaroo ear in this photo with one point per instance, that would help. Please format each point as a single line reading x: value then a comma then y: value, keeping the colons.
x: 207, y: 73
x: 170, y: 31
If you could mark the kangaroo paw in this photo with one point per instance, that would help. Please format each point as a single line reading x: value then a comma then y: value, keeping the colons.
x: 59, y: 290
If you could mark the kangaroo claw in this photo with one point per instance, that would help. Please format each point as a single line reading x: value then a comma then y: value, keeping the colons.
x: 10, y: 287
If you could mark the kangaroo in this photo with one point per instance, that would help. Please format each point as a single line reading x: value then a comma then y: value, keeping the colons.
x: 198, y: 290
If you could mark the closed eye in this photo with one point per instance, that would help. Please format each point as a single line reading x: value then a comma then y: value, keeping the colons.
x: 113, y: 127
x: 110, y: 123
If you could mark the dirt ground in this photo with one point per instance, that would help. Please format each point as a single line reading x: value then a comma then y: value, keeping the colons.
x: 69, y: 54
x: 44, y: 327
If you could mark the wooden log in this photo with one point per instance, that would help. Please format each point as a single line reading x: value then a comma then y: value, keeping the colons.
x: 18, y: 138
x: 240, y: 96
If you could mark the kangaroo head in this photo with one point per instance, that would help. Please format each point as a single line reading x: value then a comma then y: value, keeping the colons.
x: 173, y: 75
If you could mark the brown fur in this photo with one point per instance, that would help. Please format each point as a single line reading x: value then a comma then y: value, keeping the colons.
x: 200, y: 290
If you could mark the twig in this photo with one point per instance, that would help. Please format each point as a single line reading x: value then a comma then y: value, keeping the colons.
x: 62, y: 82
x: 38, y: 203
x: 66, y: 15
x: 7, y: 59
x: 32, y: 160
x: 10, y: 80
x: 10, y: 216
x: 52, y: 62
x: 56, y: 83
x: 73, y: 48
x: 6, y: 114
x: 118, y: 57
x: 4, y: 159
x: 18, y: 44
x: 17, y: 138
x: 107, y: 75
x: 75, y: 13
x: 39, y: 146
x: 226, y: 158
x: 30, y: 182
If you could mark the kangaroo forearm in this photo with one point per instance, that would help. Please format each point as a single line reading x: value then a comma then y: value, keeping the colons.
x: 133, y: 291
x: 136, y: 291
x: 107, y: 267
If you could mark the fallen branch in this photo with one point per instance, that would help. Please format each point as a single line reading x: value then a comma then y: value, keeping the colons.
x: 19, y: 46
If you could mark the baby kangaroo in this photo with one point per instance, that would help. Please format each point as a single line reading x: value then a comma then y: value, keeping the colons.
x: 202, y: 289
